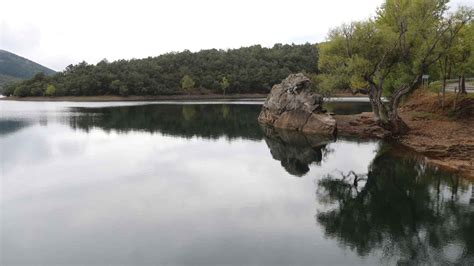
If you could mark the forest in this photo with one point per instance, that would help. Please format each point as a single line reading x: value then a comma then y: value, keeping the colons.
x: 245, y: 70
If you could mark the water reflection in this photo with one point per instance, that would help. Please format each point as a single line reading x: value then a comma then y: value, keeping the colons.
x: 295, y: 150
x: 8, y: 126
x: 412, y: 213
x: 205, y: 185
x: 207, y: 121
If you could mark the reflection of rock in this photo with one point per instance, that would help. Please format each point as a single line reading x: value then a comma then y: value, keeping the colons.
x: 295, y: 150
x: 292, y: 105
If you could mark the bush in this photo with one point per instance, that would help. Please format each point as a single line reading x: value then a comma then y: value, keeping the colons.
x: 8, y: 90
x: 21, y: 91
x: 435, y: 86
x: 123, y: 91
x: 187, y: 83
x: 36, y: 91
x: 50, y: 90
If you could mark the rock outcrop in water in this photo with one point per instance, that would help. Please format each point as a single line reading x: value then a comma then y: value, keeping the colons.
x: 292, y: 105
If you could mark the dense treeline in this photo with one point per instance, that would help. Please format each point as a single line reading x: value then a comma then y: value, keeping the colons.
x: 244, y: 70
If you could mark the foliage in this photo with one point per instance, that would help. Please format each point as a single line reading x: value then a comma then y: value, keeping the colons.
x: 224, y: 84
x: 435, y: 86
x: 21, y: 91
x: 389, y: 53
x: 50, y: 90
x: 187, y: 83
x: 250, y: 69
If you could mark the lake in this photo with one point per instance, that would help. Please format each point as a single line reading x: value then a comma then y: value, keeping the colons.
x: 204, y: 184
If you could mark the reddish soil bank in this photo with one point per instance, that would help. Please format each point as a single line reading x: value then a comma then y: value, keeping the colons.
x: 444, y: 136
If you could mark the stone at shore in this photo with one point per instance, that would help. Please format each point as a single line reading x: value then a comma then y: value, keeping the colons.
x: 292, y: 105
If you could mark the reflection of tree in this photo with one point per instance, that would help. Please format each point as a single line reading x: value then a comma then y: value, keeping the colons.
x: 189, y: 111
x: 225, y: 111
x: 208, y: 121
x: 408, y: 211
x: 294, y: 150
x: 10, y: 126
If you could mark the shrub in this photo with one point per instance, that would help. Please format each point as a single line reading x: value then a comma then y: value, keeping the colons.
x: 50, y: 90
x: 36, y: 91
x: 21, y: 91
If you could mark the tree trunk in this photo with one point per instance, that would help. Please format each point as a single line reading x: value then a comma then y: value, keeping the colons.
x: 398, y: 127
x: 456, y: 93
x: 463, y: 84
x: 375, y: 107
x: 443, y: 92
x: 445, y: 77
x: 395, y: 123
x: 387, y: 117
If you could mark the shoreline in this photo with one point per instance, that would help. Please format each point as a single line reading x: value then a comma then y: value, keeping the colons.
x: 444, y: 141
x: 428, y: 138
x: 257, y: 97
x: 113, y: 98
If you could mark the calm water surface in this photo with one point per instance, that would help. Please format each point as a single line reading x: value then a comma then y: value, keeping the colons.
x: 204, y: 184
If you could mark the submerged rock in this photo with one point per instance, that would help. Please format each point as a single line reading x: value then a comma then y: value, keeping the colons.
x: 292, y: 105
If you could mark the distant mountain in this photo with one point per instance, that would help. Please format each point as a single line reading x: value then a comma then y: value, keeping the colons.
x: 16, y: 68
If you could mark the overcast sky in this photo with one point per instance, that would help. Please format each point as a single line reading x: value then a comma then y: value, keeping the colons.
x: 59, y: 33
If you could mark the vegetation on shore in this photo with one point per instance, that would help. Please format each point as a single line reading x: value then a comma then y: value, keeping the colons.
x: 245, y: 70
x: 389, y: 54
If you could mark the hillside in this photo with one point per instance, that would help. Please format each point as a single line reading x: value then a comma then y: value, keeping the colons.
x: 16, y: 68
x: 244, y: 70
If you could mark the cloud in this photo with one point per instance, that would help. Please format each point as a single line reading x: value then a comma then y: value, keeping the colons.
x: 20, y: 37
x: 58, y: 33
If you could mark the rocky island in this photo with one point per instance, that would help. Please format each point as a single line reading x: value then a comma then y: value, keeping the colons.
x: 292, y: 105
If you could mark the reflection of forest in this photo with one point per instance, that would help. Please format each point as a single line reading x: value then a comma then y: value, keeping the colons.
x: 294, y: 150
x: 207, y: 121
x: 11, y: 126
x: 411, y: 213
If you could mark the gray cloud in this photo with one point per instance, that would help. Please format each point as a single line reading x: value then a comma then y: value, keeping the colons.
x: 58, y: 33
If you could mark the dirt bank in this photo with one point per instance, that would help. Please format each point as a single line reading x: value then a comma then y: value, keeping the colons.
x: 445, y: 137
x: 112, y: 98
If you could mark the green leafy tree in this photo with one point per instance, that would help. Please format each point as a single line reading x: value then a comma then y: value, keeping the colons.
x: 50, y: 90
x: 123, y: 90
x: 224, y: 84
x: 392, y: 52
x: 187, y: 83
x: 21, y: 91
x: 115, y: 86
x: 36, y: 91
